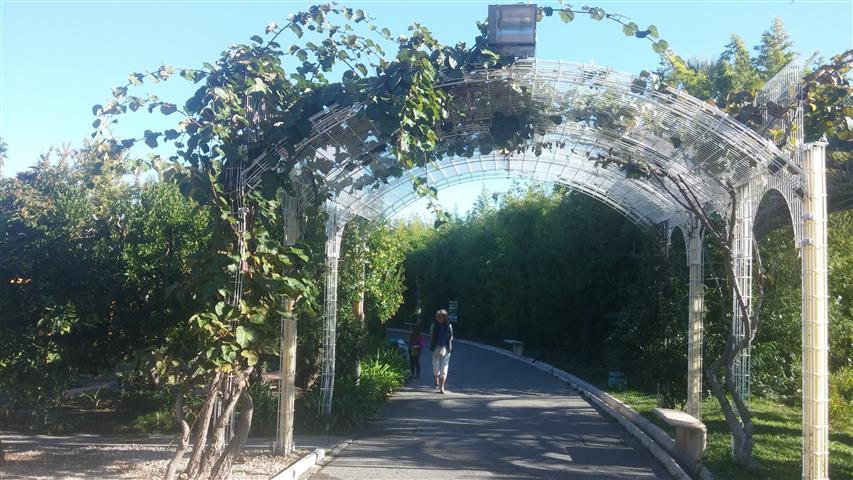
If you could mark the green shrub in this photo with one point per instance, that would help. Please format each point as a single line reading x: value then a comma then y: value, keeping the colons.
x: 383, y: 373
x: 158, y: 421
x: 841, y: 399
x: 265, y: 399
x: 354, y: 403
x: 137, y: 392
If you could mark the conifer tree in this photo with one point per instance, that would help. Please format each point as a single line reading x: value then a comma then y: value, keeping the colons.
x: 737, y: 72
x: 774, y: 51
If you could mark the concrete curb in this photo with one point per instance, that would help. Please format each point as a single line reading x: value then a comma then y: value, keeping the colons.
x: 323, y: 460
x: 299, y: 468
x: 648, y: 434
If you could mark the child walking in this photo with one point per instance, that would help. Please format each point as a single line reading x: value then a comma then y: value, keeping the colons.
x: 416, y: 345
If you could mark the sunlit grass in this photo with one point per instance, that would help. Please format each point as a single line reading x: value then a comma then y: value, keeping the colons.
x: 778, y: 439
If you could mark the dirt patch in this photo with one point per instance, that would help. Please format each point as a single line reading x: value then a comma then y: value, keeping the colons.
x: 124, y: 462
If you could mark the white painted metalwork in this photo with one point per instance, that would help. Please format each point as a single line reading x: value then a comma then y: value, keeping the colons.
x: 581, y: 115
x: 578, y: 113
x: 640, y: 202
x: 742, y: 252
x: 815, y: 317
x: 287, y: 348
x: 780, y: 101
x: 696, y: 313
x: 334, y: 231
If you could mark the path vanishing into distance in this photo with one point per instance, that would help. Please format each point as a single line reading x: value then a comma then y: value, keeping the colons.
x: 501, y: 418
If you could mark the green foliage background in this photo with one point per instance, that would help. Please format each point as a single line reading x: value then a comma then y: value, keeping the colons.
x: 586, y: 289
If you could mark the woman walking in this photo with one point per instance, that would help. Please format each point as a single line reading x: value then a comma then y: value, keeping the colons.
x: 441, y: 344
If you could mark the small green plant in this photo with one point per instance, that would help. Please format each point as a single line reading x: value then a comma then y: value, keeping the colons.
x: 265, y: 400
x: 94, y: 398
x: 841, y: 399
x: 158, y: 421
x: 382, y: 373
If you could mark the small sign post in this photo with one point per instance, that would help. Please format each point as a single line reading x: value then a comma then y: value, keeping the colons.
x: 453, y: 311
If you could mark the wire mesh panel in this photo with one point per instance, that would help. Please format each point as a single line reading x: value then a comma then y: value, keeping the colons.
x: 334, y: 231
x: 236, y: 185
x: 639, y: 202
x: 742, y: 251
x: 580, y: 117
x: 781, y: 105
x: 696, y: 311
x: 780, y: 102
x: 287, y: 347
x: 577, y: 112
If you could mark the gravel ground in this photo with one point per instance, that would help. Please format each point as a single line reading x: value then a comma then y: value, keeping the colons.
x: 123, y: 462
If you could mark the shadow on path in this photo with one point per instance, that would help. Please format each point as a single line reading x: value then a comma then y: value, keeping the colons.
x: 500, y: 419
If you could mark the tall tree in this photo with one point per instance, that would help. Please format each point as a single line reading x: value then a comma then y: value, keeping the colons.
x: 774, y: 51
x: 736, y: 71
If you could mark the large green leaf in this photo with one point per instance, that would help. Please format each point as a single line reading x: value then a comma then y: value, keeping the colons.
x: 245, y: 336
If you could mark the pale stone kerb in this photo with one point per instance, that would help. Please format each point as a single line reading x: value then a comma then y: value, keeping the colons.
x: 299, y: 468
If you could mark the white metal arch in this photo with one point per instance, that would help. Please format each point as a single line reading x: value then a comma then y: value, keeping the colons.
x: 589, y: 110
x: 579, y: 115
x: 636, y: 200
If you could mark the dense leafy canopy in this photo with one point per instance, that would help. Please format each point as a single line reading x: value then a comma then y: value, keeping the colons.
x: 87, y: 260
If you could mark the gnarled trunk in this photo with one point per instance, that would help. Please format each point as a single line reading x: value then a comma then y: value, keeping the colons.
x: 212, y: 454
x: 222, y: 468
x: 736, y: 413
x: 183, y: 439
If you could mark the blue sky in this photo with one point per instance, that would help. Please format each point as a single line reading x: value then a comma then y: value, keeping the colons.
x: 58, y: 58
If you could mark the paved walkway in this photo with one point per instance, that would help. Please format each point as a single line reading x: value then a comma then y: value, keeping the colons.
x: 500, y: 419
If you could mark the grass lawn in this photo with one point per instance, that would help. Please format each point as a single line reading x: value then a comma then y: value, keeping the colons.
x: 778, y: 439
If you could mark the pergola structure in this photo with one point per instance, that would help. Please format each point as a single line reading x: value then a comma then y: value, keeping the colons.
x: 581, y: 114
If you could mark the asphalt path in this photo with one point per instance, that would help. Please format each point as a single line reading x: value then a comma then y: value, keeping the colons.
x: 500, y: 418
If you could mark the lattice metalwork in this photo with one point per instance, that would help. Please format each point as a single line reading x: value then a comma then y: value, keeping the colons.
x: 334, y: 231
x: 580, y: 115
x: 580, y: 112
x: 236, y: 184
x: 815, y: 318
x: 743, y: 244
x: 640, y: 203
x: 696, y: 311
x: 291, y: 214
x: 780, y: 102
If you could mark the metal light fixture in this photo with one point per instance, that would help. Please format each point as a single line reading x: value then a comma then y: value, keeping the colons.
x: 512, y: 29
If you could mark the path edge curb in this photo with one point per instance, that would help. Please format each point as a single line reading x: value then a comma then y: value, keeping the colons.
x: 301, y: 466
x: 630, y: 419
x: 325, y: 459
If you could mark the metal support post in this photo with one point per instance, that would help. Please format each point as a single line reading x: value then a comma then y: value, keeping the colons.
x: 327, y: 379
x: 287, y: 380
x: 815, y: 316
x: 287, y: 375
x: 743, y: 276
x: 696, y: 312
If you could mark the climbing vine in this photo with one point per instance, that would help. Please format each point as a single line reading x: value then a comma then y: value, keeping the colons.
x: 257, y: 101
